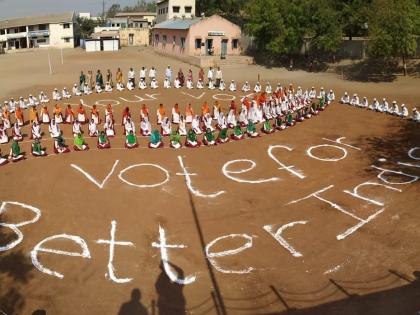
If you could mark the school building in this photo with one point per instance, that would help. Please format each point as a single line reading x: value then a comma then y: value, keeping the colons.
x: 52, y: 30
x: 202, y: 41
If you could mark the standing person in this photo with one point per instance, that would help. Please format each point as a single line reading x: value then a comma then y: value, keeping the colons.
x: 143, y: 71
x: 109, y: 78
x: 132, y: 76
x: 99, y: 79
x: 82, y: 81
x: 210, y: 75
x: 181, y: 77
x: 219, y: 77
x: 119, y: 76
x: 168, y: 73
x: 90, y: 79
x: 152, y: 74
x: 201, y: 74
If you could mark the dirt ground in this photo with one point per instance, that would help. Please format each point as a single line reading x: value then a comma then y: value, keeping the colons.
x: 374, y: 269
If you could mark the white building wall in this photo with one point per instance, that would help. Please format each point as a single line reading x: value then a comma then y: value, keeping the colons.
x: 58, y: 34
x: 169, y: 6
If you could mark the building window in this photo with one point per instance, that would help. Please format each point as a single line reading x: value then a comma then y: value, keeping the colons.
x: 156, y: 39
x: 2, y: 32
x: 175, y: 9
x: 235, y: 44
x: 67, y: 40
x: 188, y: 9
x: 22, y: 29
x: 41, y: 40
x: 166, y: 9
x: 42, y: 27
x: 198, y: 43
x: 66, y: 25
x: 182, y: 43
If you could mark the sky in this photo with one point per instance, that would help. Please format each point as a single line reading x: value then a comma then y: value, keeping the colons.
x: 20, y: 8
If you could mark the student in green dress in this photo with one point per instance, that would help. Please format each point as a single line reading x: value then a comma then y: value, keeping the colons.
x: 15, y: 152
x: 223, y: 136
x: 37, y: 149
x: 267, y: 128
x: 131, y: 141
x: 208, y: 138
x: 237, y: 132
x: 103, y: 141
x: 175, y: 139
x: 155, y: 140
x: 191, y: 140
x: 251, y: 130
x: 79, y: 143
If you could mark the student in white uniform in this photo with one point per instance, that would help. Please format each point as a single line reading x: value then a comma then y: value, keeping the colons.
x: 87, y: 90
x: 404, y: 111
x: 345, y: 99
x: 76, y: 128
x: 152, y: 74
x: 232, y: 86
x: 54, y: 129
x: 211, y: 85
x: 108, y: 87
x: 145, y: 127
x: 415, y: 115
x: 36, y: 132
x: 190, y: 84
x: 55, y: 95
x: 120, y: 86
x: 177, y: 83
x: 43, y: 98
x: 22, y: 103
x: 142, y: 84
x: 222, y: 85
x: 65, y: 93
x: 130, y: 85
x: 93, y: 129
x: 268, y: 88
x: 257, y: 88
x: 166, y: 83
x: 246, y: 87
x: 76, y: 91
x: 200, y: 84
x: 154, y: 84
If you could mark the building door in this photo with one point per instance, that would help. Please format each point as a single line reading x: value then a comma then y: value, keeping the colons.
x: 224, y: 48
x: 130, y: 39
x: 209, y: 46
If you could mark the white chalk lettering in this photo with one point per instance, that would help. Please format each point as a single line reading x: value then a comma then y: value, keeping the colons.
x: 112, y: 243
x: 120, y: 176
x: 193, y: 96
x: 344, y: 153
x: 107, y: 102
x: 339, y: 141
x: 224, y: 97
x: 14, y: 226
x: 163, y: 246
x: 355, y: 192
x: 277, y: 236
x: 291, y: 168
x: 228, y: 173
x: 411, y: 153
x: 188, y: 182
x: 385, y: 180
x: 39, y: 248
x: 211, y: 256
x: 93, y: 180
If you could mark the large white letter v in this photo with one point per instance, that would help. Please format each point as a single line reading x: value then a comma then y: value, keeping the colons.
x: 93, y: 180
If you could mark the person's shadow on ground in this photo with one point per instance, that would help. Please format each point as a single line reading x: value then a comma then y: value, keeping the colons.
x: 134, y: 306
x: 171, y: 298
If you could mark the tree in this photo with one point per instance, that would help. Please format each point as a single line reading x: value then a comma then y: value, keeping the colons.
x: 353, y: 16
x: 394, y: 26
x: 113, y: 10
x: 85, y: 27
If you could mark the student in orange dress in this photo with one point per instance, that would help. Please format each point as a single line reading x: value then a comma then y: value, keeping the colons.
x: 144, y: 112
x: 205, y: 109
x: 69, y: 119
x: 81, y: 115
x: 58, y: 115
x: 33, y: 115
x: 189, y: 114
x: 125, y: 115
x: 160, y: 114
x: 175, y: 114
x: 109, y: 115
x: 94, y: 115
x: 45, y: 115
x: 19, y: 117
x: 6, y: 117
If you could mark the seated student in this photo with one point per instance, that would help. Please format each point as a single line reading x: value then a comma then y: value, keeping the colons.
x: 314, y: 109
x: 251, y: 130
x: 79, y: 143
x: 108, y: 87
x: 189, y: 114
x: 54, y: 129
x: 404, y: 111
x: 17, y: 132
x: 166, y: 127
x: 307, y: 112
x: 81, y: 115
x: 37, y: 149
x: 205, y: 109
x: 221, y: 122
x: 243, y: 117
x: 191, y: 140
x: 331, y: 96
x: 166, y: 83
x: 65, y: 93
x: 177, y: 83
x: 43, y: 98
x: 32, y: 101
x: 321, y: 94
x: 45, y: 115
x: 246, y: 87
x: 267, y: 128
x: 175, y: 114
x: 87, y: 90
x: 394, y: 110
x: 55, y: 95
x: 15, y: 152
x: 154, y: 84
x: 267, y: 111
x: 4, y: 138
x: 131, y: 141
x: 109, y: 127
x: 98, y: 88
x: 5, y: 116
x: 375, y: 105
x: 355, y: 100
x: 33, y: 115
x: 289, y: 119
x: 36, y: 132
x: 190, y: 84
x: 216, y: 110
x: 125, y: 115
x: 237, y: 133
x: 129, y: 126
x: 3, y: 160
x: 200, y: 84
x: 75, y: 91
x: 103, y: 141
x: 208, y: 138
x: 232, y: 86
x: 58, y: 116
x: 257, y: 88
x: 69, y: 118
x: 364, y: 103
x: 93, y: 130
x: 182, y: 129
x: 211, y: 85
x: 120, y: 86
x: 160, y: 113
x: 175, y: 140
x: 415, y: 115
x: 19, y: 117
x: 94, y: 115
x: 384, y: 107
x: 222, y: 85
x: 345, y: 99
x: 142, y: 84
x: 299, y: 115
x: 145, y: 127
x: 222, y: 137
x: 207, y: 120
x: 60, y: 145
x: 268, y: 88
x: 155, y: 140
x: 130, y: 85
x: 144, y: 112
x: 195, y: 125
x: 76, y: 128
x: 312, y: 93
x: 279, y: 124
